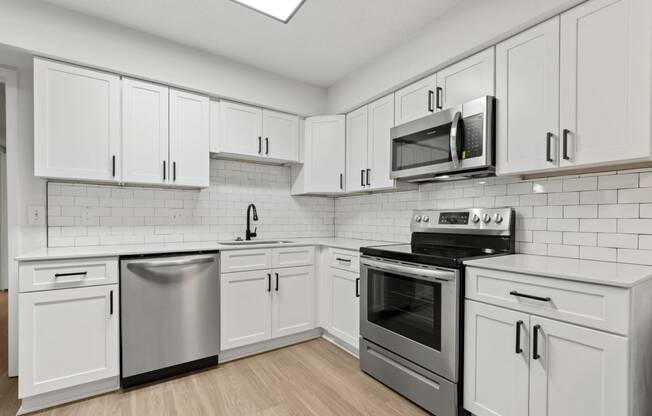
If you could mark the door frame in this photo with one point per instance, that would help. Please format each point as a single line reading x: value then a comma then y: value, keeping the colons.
x: 9, y: 78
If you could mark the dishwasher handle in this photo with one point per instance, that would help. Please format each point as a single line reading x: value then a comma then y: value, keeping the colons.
x: 147, y: 264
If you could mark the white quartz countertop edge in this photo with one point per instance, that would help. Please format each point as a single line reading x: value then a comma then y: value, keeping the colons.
x: 63, y: 253
x: 589, y: 271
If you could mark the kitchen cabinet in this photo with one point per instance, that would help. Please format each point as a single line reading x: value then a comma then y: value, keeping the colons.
x: 68, y: 337
x: 189, y: 139
x: 466, y: 80
x: 144, y: 132
x: 76, y: 123
x: 292, y: 301
x: 324, y: 157
x: 254, y: 133
x: 527, y: 100
x: 416, y: 100
x: 344, y: 300
x: 356, y: 150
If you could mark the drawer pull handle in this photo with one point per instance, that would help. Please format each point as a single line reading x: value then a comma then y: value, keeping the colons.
x: 57, y: 275
x: 523, y: 295
x: 518, y: 337
x: 344, y: 260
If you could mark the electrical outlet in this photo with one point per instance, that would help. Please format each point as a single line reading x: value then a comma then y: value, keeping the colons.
x: 36, y: 215
x: 86, y: 216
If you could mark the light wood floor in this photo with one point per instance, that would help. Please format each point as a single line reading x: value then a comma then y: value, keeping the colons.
x: 312, y: 378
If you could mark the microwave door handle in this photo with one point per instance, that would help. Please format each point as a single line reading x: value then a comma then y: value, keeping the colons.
x: 454, y: 138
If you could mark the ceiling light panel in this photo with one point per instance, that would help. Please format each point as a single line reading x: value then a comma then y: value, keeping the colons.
x: 282, y: 10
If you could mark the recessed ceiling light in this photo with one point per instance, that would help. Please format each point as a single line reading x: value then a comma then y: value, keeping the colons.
x: 282, y: 10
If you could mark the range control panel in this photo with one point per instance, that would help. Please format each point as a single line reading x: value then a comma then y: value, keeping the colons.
x: 470, y: 220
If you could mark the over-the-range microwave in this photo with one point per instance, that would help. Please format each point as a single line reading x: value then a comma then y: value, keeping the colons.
x: 457, y: 142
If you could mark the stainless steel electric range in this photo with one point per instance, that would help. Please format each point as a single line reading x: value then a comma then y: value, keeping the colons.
x: 411, y: 305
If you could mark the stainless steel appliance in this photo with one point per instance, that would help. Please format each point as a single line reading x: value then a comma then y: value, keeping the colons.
x: 411, y: 309
x: 170, y: 315
x: 455, y: 142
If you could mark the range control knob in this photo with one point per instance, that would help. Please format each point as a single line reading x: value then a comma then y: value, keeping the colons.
x: 498, y: 218
x: 486, y: 218
x: 475, y: 219
x: 417, y: 218
x: 426, y: 218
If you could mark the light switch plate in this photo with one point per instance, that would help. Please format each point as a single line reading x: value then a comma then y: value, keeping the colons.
x: 36, y: 215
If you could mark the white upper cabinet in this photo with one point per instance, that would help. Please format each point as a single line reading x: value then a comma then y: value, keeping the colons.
x: 76, y: 123
x: 381, y: 120
x: 189, y: 139
x: 466, y: 80
x: 144, y: 132
x: 281, y: 134
x: 215, y: 126
x: 416, y: 100
x: 356, y: 150
x: 527, y: 100
x: 606, y: 102
x: 241, y: 129
x: 323, y: 156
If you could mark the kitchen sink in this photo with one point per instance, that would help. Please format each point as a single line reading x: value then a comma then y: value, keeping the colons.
x: 254, y: 242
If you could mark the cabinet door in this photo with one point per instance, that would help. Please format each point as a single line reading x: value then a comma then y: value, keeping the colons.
x: 381, y: 120
x: 580, y: 372
x: 527, y: 100
x: 605, y: 81
x: 241, y: 127
x: 189, y: 139
x: 76, y: 122
x: 281, y: 135
x: 68, y: 337
x: 144, y: 132
x: 356, y: 150
x: 416, y: 100
x: 325, y: 154
x: 466, y: 80
x: 495, y: 373
x: 293, y: 301
x: 245, y: 308
x: 345, y: 306
x: 215, y: 126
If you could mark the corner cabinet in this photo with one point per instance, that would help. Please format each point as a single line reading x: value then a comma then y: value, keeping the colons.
x: 76, y: 122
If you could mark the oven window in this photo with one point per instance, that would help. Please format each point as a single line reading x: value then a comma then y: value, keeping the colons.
x: 406, y: 306
x: 428, y: 147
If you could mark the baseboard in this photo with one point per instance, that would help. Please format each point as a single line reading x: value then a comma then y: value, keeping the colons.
x: 260, y: 347
x: 341, y: 344
x: 70, y: 394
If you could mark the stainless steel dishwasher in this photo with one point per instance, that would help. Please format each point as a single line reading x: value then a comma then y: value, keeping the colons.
x: 170, y: 315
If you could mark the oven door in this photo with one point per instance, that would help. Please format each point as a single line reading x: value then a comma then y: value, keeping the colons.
x: 412, y: 311
x: 457, y: 139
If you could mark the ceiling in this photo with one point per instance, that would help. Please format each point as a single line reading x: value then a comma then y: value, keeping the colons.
x: 324, y: 41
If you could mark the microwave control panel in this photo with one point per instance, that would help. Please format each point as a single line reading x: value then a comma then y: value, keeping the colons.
x: 473, y: 136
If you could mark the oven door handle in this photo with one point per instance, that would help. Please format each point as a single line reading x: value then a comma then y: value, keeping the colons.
x: 454, y: 139
x: 416, y: 272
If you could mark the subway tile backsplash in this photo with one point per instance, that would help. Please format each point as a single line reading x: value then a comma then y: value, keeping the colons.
x: 605, y: 216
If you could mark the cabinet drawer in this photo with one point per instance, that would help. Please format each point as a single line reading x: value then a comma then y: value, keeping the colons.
x: 345, y: 260
x: 293, y: 256
x: 595, y: 306
x: 243, y: 260
x: 58, y: 274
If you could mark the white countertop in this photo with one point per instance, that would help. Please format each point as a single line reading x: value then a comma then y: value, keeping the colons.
x: 138, y: 249
x: 590, y: 271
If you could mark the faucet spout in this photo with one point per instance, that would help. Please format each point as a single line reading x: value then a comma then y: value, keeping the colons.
x: 248, y: 233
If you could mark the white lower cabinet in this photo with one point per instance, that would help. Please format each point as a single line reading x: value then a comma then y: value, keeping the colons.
x: 68, y: 337
x: 292, y: 301
x: 344, y: 298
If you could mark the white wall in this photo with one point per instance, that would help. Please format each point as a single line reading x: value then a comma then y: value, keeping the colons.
x: 469, y: 27
x: 46, y: 30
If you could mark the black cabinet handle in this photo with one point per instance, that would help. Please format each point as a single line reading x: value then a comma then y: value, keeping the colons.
x: 276, y: 288
x: 518, y: 337
x: 260, y: 145
x: 549, y: 147
x: 566, y: 132
x: 344, y: 260
x: 341, y: 182
x: 523, y: 295
x: 357, y: 287
x: 368, y: 174
x: 431, y: 98
x: 113, y: 165
x: 174, y: 171
x: 535, y: 348
x: 362, y: 177
x: 440, y: 96
x: 56, y: 275
x: 164, y: 170
x: 267, y: 145
x: 269, y: 282
x: 111, y: 302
